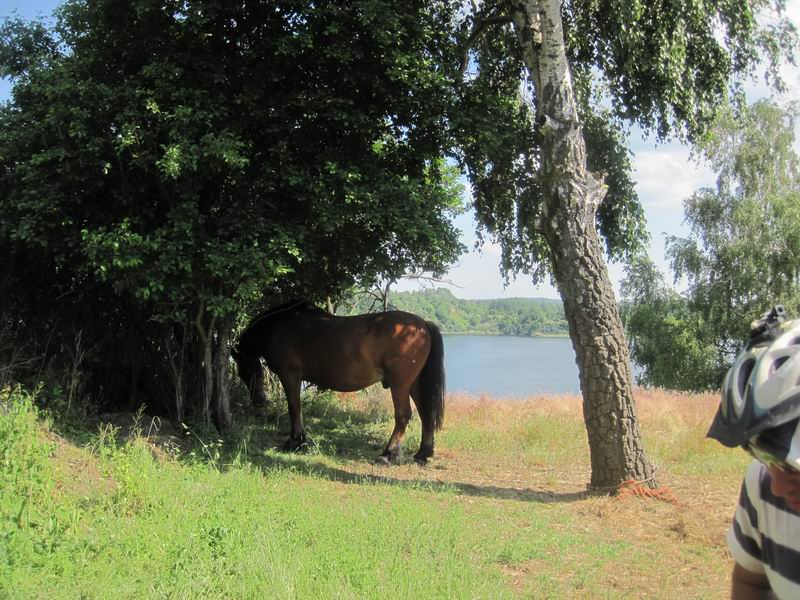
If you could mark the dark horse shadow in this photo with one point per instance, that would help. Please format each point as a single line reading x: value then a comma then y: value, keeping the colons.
x: 321, y: 470
x: 348, y: 434
x: 333, y: 429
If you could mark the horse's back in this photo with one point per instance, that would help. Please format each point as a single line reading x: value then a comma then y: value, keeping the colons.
x: 385, y: 325
x: 350, y: 353
x: 368, y: 337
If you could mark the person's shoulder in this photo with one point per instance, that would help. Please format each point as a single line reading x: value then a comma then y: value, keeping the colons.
x: 754, y: 477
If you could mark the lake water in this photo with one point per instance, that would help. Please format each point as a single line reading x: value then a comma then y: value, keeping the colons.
x: 504, y: 366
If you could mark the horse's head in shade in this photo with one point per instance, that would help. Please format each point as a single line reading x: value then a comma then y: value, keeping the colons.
x: 252, y: 375
x: 243, y: 363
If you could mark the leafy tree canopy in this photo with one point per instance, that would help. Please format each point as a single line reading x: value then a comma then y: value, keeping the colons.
x: 666, y: 67
x: 742, y: 253
x: 204, y: 151
x: 740, y: 258
x: 165, y: 163
x: 670, y: 343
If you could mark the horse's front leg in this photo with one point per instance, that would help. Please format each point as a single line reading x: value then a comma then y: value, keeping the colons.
x: 297, y: 436
x: 402, y: 415
x: 256, y: 388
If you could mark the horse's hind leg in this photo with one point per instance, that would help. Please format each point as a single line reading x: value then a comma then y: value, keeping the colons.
x: 426, y: 446
x: 402, y: 415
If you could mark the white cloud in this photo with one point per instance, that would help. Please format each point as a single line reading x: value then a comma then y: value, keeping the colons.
x: 477, y: 274
x: 665, y: 177
x: 492, y: 250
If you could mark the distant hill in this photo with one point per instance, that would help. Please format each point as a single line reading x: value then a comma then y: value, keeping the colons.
x: 506, y: 316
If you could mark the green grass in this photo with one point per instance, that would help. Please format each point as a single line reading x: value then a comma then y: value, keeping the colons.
x: 500, y: 513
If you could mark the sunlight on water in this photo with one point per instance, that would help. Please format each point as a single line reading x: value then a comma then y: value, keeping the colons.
x: 502, y: 366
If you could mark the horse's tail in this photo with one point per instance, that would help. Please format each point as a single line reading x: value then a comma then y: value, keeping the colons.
x: 432, y: 380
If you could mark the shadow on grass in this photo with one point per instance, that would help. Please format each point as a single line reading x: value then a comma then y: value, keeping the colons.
x: 341, y: 433
x: 318, y: 469
x: 333, y: 430
x: 337, y: 432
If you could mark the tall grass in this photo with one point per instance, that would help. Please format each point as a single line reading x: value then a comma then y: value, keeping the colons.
x: 500, y: 513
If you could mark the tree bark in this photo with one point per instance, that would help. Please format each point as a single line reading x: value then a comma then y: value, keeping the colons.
x: 571, y: 197
x: 206, y: 338
x: 174, y: 346
x: 222, y: 351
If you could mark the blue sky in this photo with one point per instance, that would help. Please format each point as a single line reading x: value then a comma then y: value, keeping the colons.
x: 664, y: 176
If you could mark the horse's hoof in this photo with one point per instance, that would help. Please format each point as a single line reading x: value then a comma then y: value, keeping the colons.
x: 421, y: 459
x: 389, y: 457
x: 260, y: 412
x: 383, y: 461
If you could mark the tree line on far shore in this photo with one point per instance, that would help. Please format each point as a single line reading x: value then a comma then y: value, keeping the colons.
x: 504, y: 316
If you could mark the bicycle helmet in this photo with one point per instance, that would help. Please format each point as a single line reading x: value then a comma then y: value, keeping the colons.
x: 761, y: 392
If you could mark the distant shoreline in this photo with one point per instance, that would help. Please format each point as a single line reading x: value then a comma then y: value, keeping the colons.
x: 488, y: 333
x: 515, y: 317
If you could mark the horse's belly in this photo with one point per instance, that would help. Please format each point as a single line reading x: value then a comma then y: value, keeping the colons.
x: 340, y: 381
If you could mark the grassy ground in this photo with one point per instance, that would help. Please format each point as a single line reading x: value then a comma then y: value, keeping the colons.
x: 501, y: 512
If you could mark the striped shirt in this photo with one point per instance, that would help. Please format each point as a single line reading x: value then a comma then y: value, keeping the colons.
x: 765, y: 534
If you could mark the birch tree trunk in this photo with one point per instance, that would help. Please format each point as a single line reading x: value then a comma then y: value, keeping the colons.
x: 214, y: 340
x: 571, y: 197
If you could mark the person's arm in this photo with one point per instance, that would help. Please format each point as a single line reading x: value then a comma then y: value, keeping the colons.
x: 746, y: 585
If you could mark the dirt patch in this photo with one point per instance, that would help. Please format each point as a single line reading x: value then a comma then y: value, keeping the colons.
x: 77, y: 472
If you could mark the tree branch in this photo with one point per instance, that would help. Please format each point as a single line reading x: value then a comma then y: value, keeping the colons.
x: 481, y: 26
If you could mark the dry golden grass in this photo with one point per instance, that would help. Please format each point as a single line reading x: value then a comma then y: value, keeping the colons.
x: 535, y: 450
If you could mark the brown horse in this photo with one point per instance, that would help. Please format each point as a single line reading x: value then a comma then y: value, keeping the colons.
x: 300, y: 343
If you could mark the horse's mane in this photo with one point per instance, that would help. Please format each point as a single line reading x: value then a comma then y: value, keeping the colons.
x: 276, y: 310
x: 252, y: 332
x: 301, y: 306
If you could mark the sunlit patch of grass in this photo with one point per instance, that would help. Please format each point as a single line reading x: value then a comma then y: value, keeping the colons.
x: 550, y: 430
x: 674, y: 427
